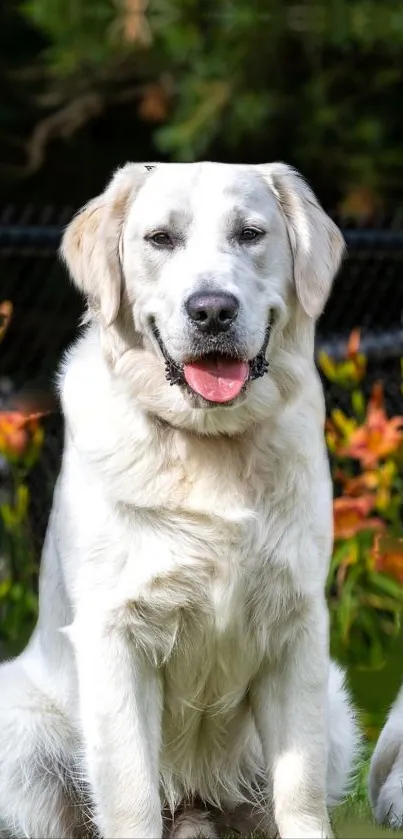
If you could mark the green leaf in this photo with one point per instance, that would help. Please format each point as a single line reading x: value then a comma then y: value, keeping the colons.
x: 387, y: 584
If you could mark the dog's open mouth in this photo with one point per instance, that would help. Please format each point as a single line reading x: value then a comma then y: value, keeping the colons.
x: 217, y: 377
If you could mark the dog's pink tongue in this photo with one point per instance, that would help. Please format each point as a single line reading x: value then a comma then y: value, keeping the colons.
x: 217, y: 380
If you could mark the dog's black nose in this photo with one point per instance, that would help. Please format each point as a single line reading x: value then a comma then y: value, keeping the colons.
x: 212, y: 311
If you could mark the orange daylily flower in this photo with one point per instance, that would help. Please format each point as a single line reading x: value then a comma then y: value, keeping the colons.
x: 6, y: 312
x: 350, y: 371
x: 17, y: 432
x: 350, y: 516
x: 359, y: 485
x: 378, y: 481
x: 387, y: 555
x: 350, y: 558
x: 353, y: 343
x: 361, y: 203
x: 378, y: 436
x: 136, y: 27
x: 154, y: 105
x: 339, y: 429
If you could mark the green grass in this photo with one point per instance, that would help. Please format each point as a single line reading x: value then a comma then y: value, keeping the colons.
x: 353, y: 819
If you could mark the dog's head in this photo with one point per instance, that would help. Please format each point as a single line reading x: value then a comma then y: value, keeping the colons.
x: 206, y: 280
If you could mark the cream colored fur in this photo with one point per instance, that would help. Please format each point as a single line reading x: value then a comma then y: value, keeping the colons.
x: 181, y: 651
x: 386, y: 773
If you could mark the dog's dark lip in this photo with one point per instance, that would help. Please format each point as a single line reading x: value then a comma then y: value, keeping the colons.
x: 174, y: 372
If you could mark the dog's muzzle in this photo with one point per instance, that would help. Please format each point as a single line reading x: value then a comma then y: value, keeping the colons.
x: 178, y: 374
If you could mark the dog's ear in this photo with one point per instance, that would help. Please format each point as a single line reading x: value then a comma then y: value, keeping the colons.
x: 91, y: 242
x: 316, y: 243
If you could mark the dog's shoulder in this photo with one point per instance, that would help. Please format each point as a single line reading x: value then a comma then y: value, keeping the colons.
x: 84, y: 379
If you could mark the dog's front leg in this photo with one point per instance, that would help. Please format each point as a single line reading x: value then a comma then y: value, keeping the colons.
x: 120, y: 701
x: 290, y: 708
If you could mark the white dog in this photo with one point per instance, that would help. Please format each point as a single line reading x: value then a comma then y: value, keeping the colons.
x: 181, y: 651
x: 386, y: 773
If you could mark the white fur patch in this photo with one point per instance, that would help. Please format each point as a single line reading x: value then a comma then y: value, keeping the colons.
x: 181, y: 651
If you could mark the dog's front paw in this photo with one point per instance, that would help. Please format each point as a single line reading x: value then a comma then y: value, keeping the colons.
x: 385, y: 780
x: 128, y: 829
x: 389, y: 805
x: 193, y: 824
x: 306, y: 829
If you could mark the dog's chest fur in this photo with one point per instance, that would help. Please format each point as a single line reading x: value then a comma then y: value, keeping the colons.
x: 210, y: 624
x: 206, y: 561
x: 210, y: 536
x: 205, y: 592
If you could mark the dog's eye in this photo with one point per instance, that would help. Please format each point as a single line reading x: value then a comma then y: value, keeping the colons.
x: 161, y: 239
x: 250, y: 234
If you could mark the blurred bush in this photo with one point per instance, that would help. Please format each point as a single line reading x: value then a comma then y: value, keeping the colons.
x: 365, y: 584
x: 317, y: 84
x: 21, y: 438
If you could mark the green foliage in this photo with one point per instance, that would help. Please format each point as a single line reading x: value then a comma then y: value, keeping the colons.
x: 365, y: 583
x: 18, y: 566
x: 21, y: 438
x: 353, y: 819
x: 78, y: 33
x: 365, y: 609
x: 316, y: 84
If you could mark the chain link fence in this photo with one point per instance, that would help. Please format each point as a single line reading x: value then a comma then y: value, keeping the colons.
x: 368, y: 294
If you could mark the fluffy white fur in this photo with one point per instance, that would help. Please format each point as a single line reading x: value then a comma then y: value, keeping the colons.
x: 181, y: 651
x: 386, y: 773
